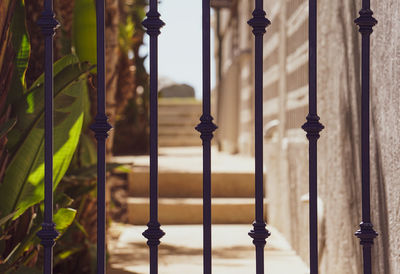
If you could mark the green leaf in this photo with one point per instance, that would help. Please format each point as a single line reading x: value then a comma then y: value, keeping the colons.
x: 123, y: 169
x: 31, y: 105
x: 7, y: 126
x: 62, y: 199
x: 88, y: 152
x: 87, y: 106
x: 66, y: 253
x: 23, y: 184
x: 63, y: 219
x: 64, y: 102
x: 84, y: 30
x: 58, y: 67
x: 20, y: 41
x: 7, y: 218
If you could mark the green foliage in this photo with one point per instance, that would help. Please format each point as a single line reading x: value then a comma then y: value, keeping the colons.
x: 7, y: 126
x: 21, y: 45
x: 24, y: 177
x: 74, y: 161
x: 20, y: 42
x: 126, y: 32
x: 64, y: 218
x: 23, y: 252
x: 22, y: 188
x: 84, y: 30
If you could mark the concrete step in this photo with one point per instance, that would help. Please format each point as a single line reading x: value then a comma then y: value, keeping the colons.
x: 190, y: 211
x: 172, y: 120
x: 177, y: 121
x: 177, y: 130
x: 180, y: 110
x: 179, y: 106
x: 179, y: 140
x: 172, y: 184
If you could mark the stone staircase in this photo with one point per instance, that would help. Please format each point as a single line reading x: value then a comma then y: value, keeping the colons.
x: 180, y: 188
x: 177, y: 119
x: 180, y: 175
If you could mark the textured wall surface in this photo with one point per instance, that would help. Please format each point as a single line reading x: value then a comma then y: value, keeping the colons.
x: 339, y: 149
x: 339, y: 90
x: 385, y: 135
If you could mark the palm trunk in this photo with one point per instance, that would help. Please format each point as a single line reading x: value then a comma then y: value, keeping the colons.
x: 6, y: 69
x: 112, y: 53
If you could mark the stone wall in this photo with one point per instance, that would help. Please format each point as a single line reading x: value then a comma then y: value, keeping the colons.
x: 285, y: 108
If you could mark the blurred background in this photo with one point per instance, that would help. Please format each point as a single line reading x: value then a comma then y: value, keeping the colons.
x: 180, y: 175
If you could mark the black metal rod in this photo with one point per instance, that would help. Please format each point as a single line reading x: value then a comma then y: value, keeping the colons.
x: 206, y: 128
x: 207, y: 248
x: 101, y: 145
x: 153, y: 132
x: 48, y: 234
x: 153, y: 234
x: 313, y: 206
x: 206, y: 56
x: 366, y: 233
x: 48, y: 154
x: 48, y: 135
x: 313, y: 128
x: 312, y: 56
x: 259, y: 233
x: 259, y: 185
x: 365, y: 156
x: 101, y: 128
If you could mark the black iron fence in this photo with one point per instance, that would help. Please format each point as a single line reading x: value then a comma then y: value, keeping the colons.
x: 154, y: 233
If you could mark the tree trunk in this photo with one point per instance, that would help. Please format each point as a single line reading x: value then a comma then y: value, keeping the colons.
x: 112, y: 53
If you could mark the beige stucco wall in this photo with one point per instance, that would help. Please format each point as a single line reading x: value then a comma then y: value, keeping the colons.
x: 386, y: 130
x: 285, y: 108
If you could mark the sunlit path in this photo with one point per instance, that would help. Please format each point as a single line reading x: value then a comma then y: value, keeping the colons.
x: 181, y: 251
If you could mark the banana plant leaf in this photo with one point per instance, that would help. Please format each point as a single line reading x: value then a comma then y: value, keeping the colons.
x: 23, y: 184
x: 30, y: 106
x: 7, y: 126
x: 63, y: 218
x: 21, y: 45
x: 84, y: 30
x: 20, y: 41
x: 88, y: 152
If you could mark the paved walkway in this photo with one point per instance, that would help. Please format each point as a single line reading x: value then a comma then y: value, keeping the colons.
x: 181, y: 251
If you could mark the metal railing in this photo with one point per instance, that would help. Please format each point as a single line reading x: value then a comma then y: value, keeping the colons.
x: 206, y: 127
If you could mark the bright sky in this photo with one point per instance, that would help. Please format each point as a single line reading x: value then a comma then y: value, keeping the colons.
x: 179, y: 46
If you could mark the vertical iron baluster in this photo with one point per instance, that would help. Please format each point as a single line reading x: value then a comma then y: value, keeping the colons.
x: 48, y: 234
x: 101, y: 128
x: 366, y: 233
x: 206, y: 128
x: 313, y: 127
x: 259, y: 233
x: 153, y: 24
